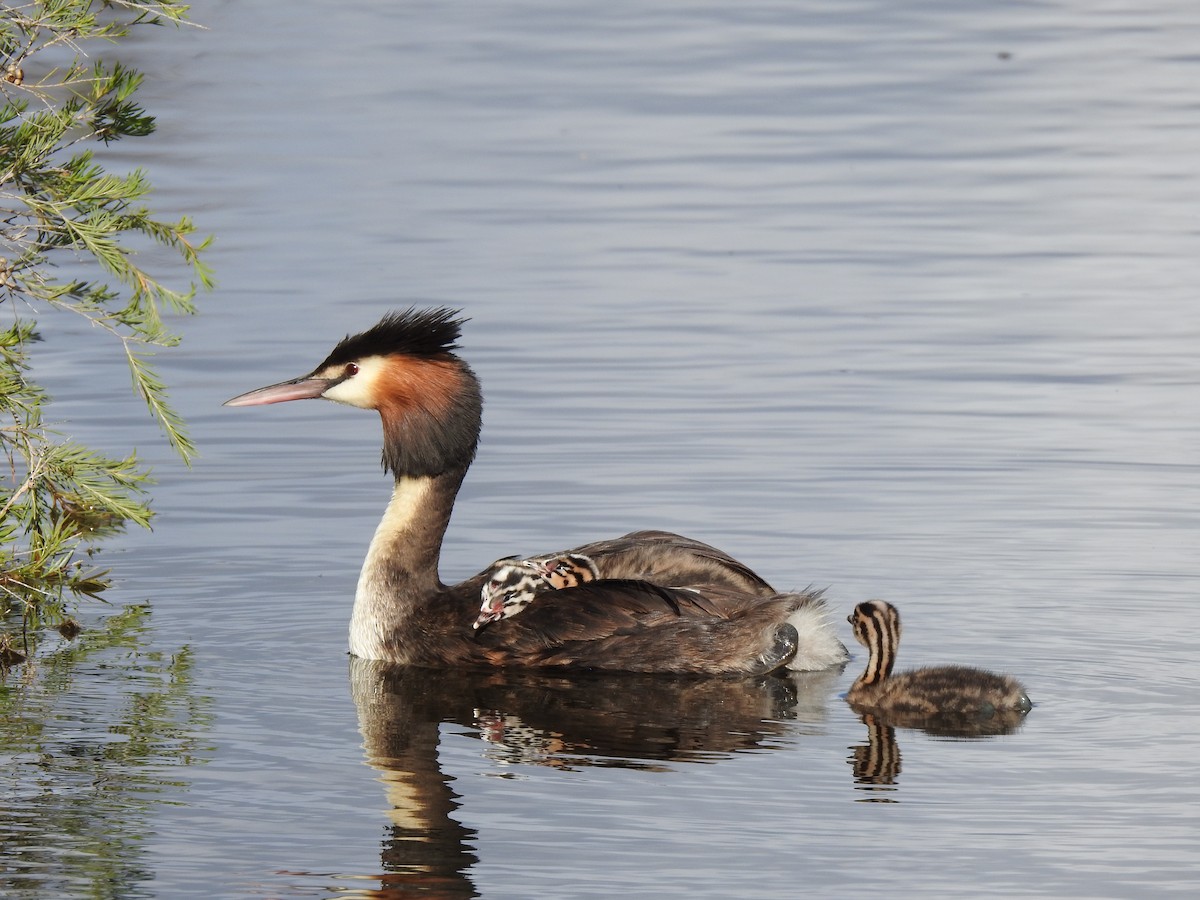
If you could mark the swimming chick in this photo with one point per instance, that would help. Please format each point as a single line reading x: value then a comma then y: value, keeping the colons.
x: 938, y: 691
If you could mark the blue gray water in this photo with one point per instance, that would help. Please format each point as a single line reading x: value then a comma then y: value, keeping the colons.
x: 897, y: 299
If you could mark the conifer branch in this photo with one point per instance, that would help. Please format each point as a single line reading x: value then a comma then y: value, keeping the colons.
x: 58, y: 204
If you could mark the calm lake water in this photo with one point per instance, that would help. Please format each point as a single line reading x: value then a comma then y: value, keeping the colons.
x: 893, y: 298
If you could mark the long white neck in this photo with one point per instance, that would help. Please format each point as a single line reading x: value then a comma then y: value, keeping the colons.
x: 401, y: 568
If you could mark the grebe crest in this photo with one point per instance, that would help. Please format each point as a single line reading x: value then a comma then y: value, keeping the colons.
x: 515, y: 582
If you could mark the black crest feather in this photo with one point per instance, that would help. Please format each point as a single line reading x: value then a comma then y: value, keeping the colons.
x: 414, y: 332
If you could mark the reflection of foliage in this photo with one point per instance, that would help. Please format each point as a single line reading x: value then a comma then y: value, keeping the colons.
x: 60, y: 211
x: 89, y: 733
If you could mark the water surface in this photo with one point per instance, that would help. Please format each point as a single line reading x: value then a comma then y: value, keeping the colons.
x: 893, y: 299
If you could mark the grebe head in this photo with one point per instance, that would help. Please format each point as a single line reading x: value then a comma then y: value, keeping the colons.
x: 875, y: 622
x: 876, y: 625
x: 403, y: 367
x: 511, y: 587
x: 567, y: 570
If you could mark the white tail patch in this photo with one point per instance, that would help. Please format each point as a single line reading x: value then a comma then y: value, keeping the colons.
x: 819, y: 647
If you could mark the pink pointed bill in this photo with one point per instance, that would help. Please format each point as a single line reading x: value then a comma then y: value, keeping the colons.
x: 306, y: 388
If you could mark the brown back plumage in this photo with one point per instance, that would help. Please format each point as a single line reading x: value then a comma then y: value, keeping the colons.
x: 697, y: 619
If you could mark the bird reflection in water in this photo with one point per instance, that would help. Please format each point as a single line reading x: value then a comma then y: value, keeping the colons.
x: 649, y: 722
x: 876, y: 763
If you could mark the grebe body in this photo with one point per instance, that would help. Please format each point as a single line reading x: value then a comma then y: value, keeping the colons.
x: 658, y: 602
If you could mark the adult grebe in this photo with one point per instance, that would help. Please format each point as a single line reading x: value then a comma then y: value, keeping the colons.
x: 939, y: 691
x: 661, y: 602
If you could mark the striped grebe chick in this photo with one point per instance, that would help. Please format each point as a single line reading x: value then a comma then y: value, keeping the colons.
x: 937, y: 691
x: 662, y: 602
x: 515, y: 582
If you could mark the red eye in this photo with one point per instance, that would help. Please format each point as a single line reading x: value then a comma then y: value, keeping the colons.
x: 351, y: 370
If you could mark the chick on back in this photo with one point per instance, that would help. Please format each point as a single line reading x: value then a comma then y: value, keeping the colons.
x: 515, y: 582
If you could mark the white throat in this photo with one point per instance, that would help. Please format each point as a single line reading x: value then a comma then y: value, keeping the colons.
x: 378, y: 608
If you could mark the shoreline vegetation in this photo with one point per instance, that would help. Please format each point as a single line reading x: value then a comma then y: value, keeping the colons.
x: 76, y: 239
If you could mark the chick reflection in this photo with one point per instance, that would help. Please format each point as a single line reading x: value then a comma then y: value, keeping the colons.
x: 876, y: 763
x: 545, y: 719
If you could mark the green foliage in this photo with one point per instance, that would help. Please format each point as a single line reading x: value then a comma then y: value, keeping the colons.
x: 71, y: 234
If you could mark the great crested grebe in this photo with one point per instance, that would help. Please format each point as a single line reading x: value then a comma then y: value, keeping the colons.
x: 937, y: 691
x: 661, y: 603
x: 515, y: 582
